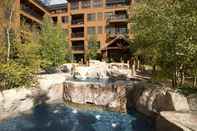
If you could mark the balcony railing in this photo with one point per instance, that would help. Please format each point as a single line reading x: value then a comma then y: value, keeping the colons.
x: 78, y: 22
x: 78, y: 35
x: 78, y: 47
x: 117, y: 17
x: 114, y: 34
x: 116, y: 3
x: 31, y: 12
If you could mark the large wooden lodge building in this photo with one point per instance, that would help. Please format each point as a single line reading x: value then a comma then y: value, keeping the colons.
x: 81, y: 19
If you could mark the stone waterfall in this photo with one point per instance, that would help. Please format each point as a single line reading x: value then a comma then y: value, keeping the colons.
x: 98, y: 84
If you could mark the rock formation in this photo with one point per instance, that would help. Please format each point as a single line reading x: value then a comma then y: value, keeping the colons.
x: 176, y: 121
x: 101, y: 70
x: 111, y: 95
x: 150, y: 99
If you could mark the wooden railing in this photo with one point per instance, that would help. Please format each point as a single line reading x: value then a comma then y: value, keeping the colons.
x: 77, y: 35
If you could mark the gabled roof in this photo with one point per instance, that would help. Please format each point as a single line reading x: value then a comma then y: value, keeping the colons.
x: 118, y: 37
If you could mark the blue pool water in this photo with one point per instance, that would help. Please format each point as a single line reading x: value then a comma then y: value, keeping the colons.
x: 61, y: 118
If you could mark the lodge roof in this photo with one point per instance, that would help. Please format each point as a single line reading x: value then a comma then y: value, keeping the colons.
x: 118, y: 37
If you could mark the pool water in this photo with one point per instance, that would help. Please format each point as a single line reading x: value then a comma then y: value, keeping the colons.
x: 61, y: 118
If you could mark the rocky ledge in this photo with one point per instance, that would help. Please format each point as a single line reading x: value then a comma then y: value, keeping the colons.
x: 14, y: 102
x: 150, y: 99
x: 110, y: 95
x: 171, y: 110
x: 176, y: 121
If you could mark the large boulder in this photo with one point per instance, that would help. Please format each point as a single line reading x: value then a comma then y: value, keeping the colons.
x: 102, y: 70
x: 119, y: 71
x: 192, y: 100
x: 176, y: 121
x: 67, y: 68
x: 51, y: 86
x: 47, y: 80
x: 178, y: 101
x: 150, y: 99
x: 111, y: 95
x: 15, y: 101
x: 90, y: 73
x: 55, y: 93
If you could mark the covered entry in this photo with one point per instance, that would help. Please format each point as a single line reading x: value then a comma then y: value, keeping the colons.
x: 117, y: 50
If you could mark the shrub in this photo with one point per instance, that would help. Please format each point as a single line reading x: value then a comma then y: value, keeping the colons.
x: 13, y: 75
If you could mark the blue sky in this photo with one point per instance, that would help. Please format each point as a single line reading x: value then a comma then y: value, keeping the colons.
x: 51, y: 2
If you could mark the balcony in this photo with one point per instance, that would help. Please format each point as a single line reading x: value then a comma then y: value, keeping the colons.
x: 31, y: 12
x: 116, y: 3
x: 78, y: 22
x: 77, y: 35
x: 112, y: 34
x: 117, y: 18
x: 77, y: 19
x: 78, y: 47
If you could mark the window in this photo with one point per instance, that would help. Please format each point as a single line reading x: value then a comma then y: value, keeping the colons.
x: 91, y: 30
x: 100, y: 30
x: 108, y: 15
x: 91, y: 17
x: 123, y: 30
x: 100, y: 16
x: 85, y: 4
x: 64, y: 19
x: 110, y: 30
x: 97, y: 3
x: 74, y: 5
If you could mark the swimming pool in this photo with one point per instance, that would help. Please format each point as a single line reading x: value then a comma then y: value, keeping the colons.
x: 62, y: 118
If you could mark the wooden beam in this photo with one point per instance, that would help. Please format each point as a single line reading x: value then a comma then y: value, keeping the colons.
x: 30, y: 16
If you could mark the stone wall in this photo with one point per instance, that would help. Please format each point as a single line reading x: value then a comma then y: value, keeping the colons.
x: 111, y: 95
